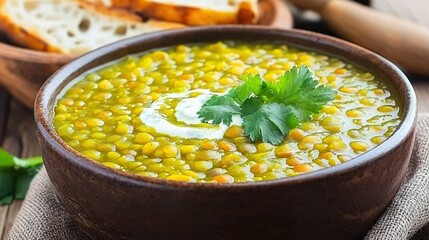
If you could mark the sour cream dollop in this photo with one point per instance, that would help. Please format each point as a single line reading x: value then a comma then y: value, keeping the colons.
x: 185, y: 112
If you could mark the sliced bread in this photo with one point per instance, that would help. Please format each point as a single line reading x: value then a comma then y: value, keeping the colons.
x: 196, y: 12
x: 70, y: 26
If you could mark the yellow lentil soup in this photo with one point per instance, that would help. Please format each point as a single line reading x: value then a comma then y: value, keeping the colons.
x: 139, y: 114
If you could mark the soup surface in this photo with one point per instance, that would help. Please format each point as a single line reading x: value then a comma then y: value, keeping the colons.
x: 140, y: 114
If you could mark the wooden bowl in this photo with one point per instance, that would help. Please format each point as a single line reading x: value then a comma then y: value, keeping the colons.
x: 340, y: 202
x: 23, y: 71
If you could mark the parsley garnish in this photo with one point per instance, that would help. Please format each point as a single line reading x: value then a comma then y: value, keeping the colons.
x: 269, y: 110
x: 16, y: 175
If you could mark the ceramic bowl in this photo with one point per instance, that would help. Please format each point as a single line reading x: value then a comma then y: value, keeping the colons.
x: 340, y: 202
x: 23, y: 71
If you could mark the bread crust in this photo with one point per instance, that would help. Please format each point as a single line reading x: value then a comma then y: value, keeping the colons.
x: 21, y: 36
x: 121, y: 3
x: 247, y: 13
x: 28, y: 37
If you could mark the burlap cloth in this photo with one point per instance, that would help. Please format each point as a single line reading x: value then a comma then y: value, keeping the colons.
x: 43, y: 217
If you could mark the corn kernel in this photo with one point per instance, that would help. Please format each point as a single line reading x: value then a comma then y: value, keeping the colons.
x: 348, y: 90
x: 123, y: 128
x: 363, y: 92
x: 359, y: 146
x: 326, y: 155
x: 180, y: 178
x: 124, y: 160
x: 379, y: 92
x: 247, y: 148
x: 191, y: 156
x: 294, y: 161
x: 227, y: 146
x: 89, y: 144
x: 122, y: 144
x: 296, y: 134
x: 236, y: 70
x: 331, y: 78
x: 112, y: 165
x: 158, y: 153
x: 307, y: 126
x: 332, y: 110
x: 208, y: 155
x: 190, y: 173
x: 283, y: 151
x: 143, y: 138
x: 102, y: 96
x: 106, y: 147
x: 355, y: 113
x: 160, y: 56
x: 303, y: 168
x: 150, y: 147
x: 368, y: 101
x: 308, y: 141
x: 232, y: 159
x: 337, y: 145
x: 259, y: 168
x: 340, y: 71
x: 98, y: 135
x: 385, y: 109
x: 105, y: 85
x: 344, y: 157
x: 95, y: 122
x: 332, y: 124
x: 378, y: 139
x: 79, y: 124
x: 233, y: 132
x: 208, y: 145
x: 201, y: 166
x: 112, y: 156
x: 185, y: 149
x: 320, y: 146
x: 223, y: 178
x: 170, y: 151
x: 333, y: 162
x: 330, y: 138
x: 321, y: 162
x: 93, y: 154
x: 61, y: 117
x: 226, y: 81
x: 264, y: 147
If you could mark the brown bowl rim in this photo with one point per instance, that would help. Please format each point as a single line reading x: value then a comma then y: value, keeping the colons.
x: 405, y: 128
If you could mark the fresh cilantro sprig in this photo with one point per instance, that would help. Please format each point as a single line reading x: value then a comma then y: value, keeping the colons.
x: 269, y: 110
x: 16, y: 175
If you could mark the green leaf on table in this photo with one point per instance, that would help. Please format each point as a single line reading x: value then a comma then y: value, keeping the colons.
x: 16, y: 175
x: 7, y: 186
x: 6, y: 159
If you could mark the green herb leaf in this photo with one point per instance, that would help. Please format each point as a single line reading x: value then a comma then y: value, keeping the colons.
x: 251, y: 105
x: 269, y: 110
x: 219, y: 109
x: 304, y: 94
x: 16, y: 175
x: 269, y: 123
x: 241, y: 93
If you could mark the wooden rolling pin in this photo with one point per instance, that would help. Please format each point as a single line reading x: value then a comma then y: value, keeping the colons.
x: 401, y: 41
